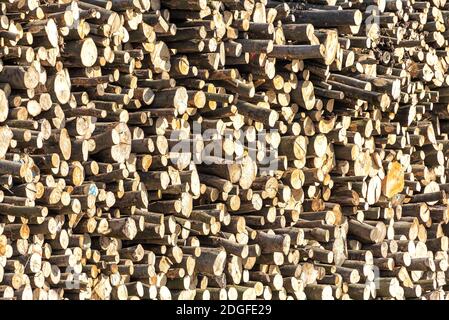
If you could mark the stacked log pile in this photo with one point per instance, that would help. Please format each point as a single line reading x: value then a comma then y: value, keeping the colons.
x: 228, y: 149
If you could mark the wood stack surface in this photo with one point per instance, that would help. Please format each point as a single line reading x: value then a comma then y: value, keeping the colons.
x: 224, y: 149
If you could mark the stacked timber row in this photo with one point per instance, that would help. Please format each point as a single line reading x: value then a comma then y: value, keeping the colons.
x: 229, y: 149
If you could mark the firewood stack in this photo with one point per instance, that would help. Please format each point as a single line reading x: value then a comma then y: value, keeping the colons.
x: 229, y: 149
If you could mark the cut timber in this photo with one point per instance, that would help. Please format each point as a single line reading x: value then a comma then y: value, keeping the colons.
x: 393, y: 183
